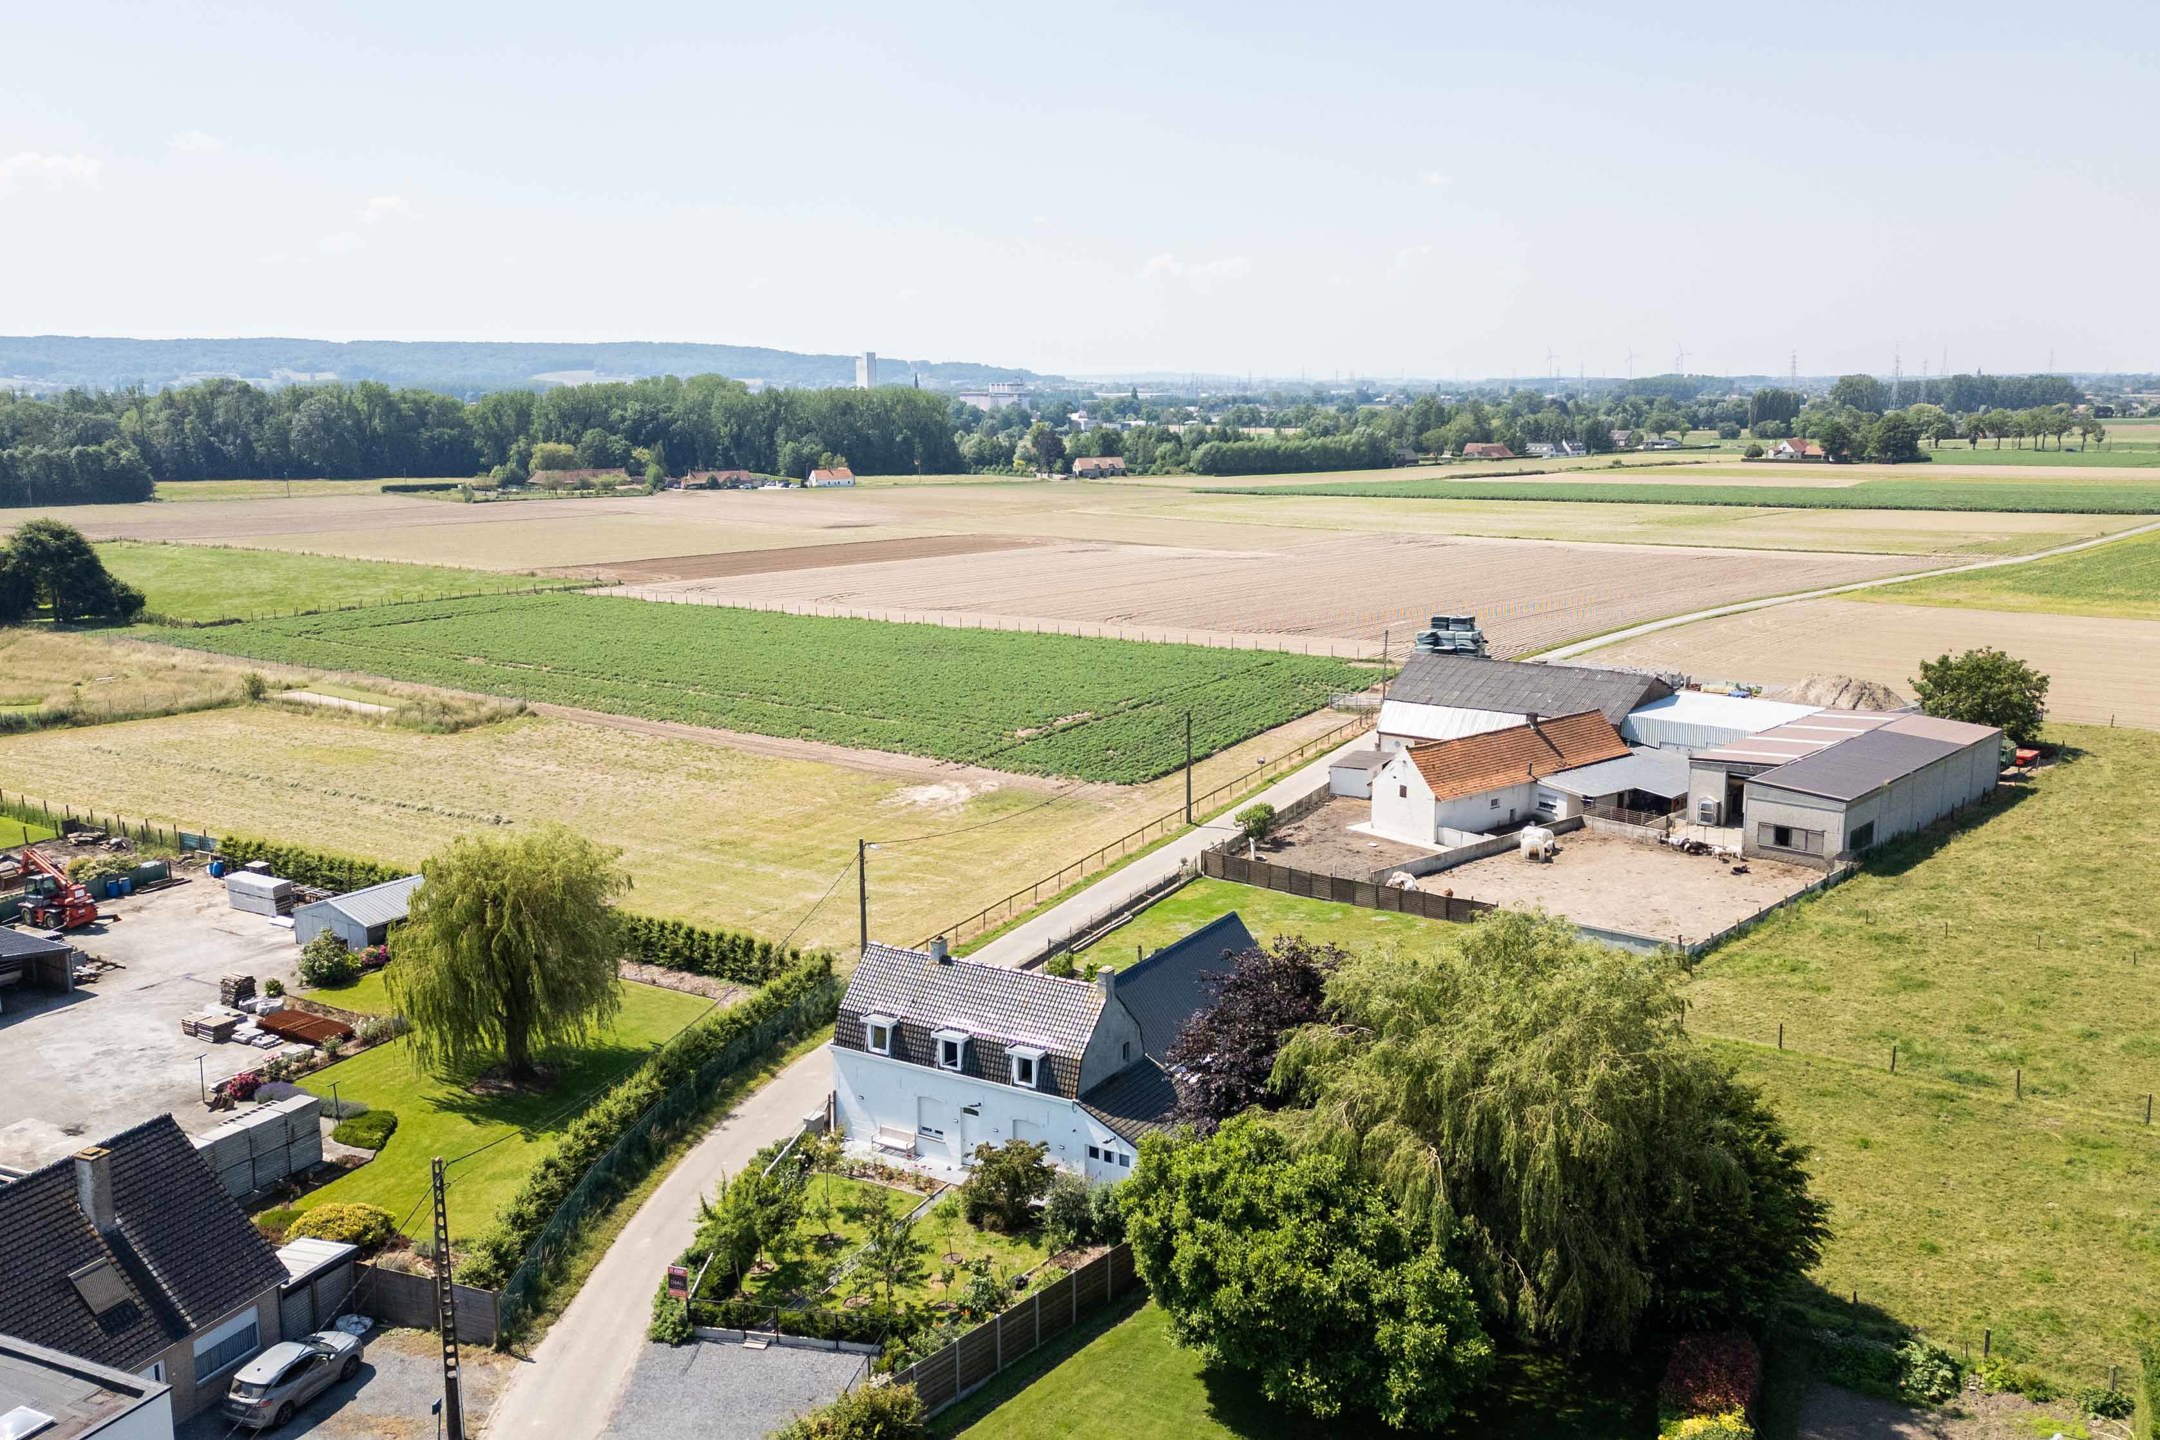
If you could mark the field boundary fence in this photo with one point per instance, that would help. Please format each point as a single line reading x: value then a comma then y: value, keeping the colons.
x: 978, y: 1356
x: 1050, y: 886
x: 65, y: 819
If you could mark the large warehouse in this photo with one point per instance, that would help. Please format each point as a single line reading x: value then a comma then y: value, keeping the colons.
x: 1858, y: 780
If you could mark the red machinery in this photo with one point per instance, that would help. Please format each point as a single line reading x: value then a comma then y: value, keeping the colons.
x: 54, y: 902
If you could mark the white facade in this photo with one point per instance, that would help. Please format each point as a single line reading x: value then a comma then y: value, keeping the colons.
x: 948, y: 1115
x: 1404, y: 808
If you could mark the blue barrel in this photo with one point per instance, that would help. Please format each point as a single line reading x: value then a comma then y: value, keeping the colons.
x: 217, y: 869
x: 112, y: 889
x: 126, y: 884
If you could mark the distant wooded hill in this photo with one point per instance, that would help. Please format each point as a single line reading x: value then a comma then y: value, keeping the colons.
x: 457, y: 367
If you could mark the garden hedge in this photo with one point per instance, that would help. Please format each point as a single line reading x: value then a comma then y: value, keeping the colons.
x: 2148, y: 1388
x: 868, y: 1326
x: 798, y: 1000
x: 670, y: 944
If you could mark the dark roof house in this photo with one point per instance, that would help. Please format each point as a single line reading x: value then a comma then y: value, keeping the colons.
x: 1522, y: 687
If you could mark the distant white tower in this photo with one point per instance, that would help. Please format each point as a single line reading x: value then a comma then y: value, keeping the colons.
x: 866, y: 370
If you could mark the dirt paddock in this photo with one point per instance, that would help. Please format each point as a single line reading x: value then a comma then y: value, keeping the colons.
x: 724, y: 564
x: 1617, y: 884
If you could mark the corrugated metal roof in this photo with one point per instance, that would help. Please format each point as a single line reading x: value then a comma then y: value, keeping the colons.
x: 1958, y: 732
x: 308, y: 1257
x: 1655, y: 772
x: 383, y: 904
x: 1859, y: 766
x: 1746, y: 714
x: 1804, y: 736
x: 1441, y: 722
x: 1522, y: 687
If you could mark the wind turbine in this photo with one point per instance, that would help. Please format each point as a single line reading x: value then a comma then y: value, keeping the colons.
x: 1631, y: 362
x: 1679, y: 359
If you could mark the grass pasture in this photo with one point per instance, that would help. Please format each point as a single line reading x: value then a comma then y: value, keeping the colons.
x: 1097, y: 709
x: 86, y: 677
x: 1917, y: 492
x: 438, y: 1116
x: 2120, y: 579
x: 192, y: 491
x: 209, y: 582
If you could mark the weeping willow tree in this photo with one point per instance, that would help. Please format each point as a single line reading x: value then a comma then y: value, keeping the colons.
x: 510, y: 949
x: 1534, y: 1103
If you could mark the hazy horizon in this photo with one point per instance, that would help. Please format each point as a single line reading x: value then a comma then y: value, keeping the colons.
x: 1443, y: 192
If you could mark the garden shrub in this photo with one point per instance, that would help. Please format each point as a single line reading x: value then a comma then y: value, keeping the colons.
x: 274, y: 987
x: 325, y: 963
x: 368, y: 1131
x: 1732, y: 1425
x: 1005, y: 1184
x: 242, y: 1087
x: 2009, y: 1377
x: 353, y: 1223
x: 1927, y: 1373
x: 1109, y: 1219
x: 309, y: 867
x: 671, y: 1323
x: 1710, y: 1375
x: 94, y: 870
x: 1068, y: 1212
x: 867, y: 1412
x: 2102, y: 1403
x: 871, y: 1325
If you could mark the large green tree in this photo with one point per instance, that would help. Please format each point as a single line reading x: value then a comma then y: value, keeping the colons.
x: 1286, y: 1265
x: 1534, y: 1095
x: 1985, y: 687
x: 49, y: 565
x: 511, y: 948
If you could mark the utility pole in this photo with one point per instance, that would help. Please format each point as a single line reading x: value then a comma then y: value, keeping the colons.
x: 1188, y: 767
x: 446, y: 1315
x: 862, y: 891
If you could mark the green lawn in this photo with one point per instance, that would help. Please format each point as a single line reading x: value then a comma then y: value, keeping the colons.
x: 1918, y: 492
x: 210, y: 582
x: 1267, y: 913
x: 442, y: 1117
x: 14, y: 833
x: 2119, y: 579
x: 369, y: 995
x: 1131, y: 1383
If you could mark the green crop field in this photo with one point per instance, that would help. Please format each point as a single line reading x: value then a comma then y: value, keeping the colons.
x: 1109, y: 710
x: 1918, y: 493
x: 210, y: 582
x: 2121, y: 579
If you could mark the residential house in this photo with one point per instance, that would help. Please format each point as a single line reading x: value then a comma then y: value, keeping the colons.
x: 1796, y: 449
x: 360, y: 918
x: 831, y: 479
x: 934, y: 1055
x: 1092, y: 467
x: 1622, y: 439
x: 1661, y: 442
x: 1486, y: 450
x: 1441, y: 696
x: 1553, y: 449
x: 1450, y: 791
x: 720, y: 480
x: 129, y: 1254
x: 44, y: 1393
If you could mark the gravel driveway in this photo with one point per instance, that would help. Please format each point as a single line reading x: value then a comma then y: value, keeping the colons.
x: 400, y: 1378
x: 676, y: 1390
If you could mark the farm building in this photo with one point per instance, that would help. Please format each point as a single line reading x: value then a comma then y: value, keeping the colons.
x: 933, y: 1056
x: 1090, y: 467
x: 838, y: 477
x: 1643, y: 783
x: 1797, y: 449
x: 1437, y: 794
x: 33, y: 960
x: 1698, y: 719
x: 1352, y: 774
x: 1884, y: 776
x: 43, y: 1392
x: 130, y: 1254
x: 361, y: 918
x: 1442, y: 697
x: 1486, y: 450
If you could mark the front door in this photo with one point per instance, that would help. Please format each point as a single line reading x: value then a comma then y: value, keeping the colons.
x: 934, y: 1126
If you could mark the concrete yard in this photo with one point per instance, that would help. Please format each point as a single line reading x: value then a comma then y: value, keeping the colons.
x: 1323, y: 841
x: 399, y: 1379
x: 1628, y: 885
x: 79, y: 1067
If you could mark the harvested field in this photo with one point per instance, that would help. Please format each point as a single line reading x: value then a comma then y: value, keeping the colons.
x: 728, y: 564
x: 710, y: 832
x: 2104, y: 670
x: 1527, y: 594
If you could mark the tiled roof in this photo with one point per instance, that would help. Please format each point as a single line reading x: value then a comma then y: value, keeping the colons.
x: 1475, y: 764
x: 999, y: 1007
x: 843, y: 473
x: 1138, y: 1099
x: 1522, y: 687
x: 183, y: 1251
x: 1164, y: 990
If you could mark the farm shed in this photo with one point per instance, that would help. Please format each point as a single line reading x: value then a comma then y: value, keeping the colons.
x: 1876, y: 786
x: 27, y: 959
x: 319, y: 1278
x: 360, y: 919
x: 1444, y: 697
x: 1647, y: 780
x: 1717, y: 777
x: 1352, y: 774
x: 1699, y: 720
x: 1477, y: 784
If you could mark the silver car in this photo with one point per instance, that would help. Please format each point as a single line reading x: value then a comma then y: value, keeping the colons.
x: 286, y: 1376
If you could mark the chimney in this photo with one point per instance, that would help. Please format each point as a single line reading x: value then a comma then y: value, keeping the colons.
x: 93, y: 1187
x: 940, y: 952
x: 1107, y: 978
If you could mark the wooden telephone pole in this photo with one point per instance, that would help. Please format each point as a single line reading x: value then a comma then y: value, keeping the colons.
x: 446, y: 1316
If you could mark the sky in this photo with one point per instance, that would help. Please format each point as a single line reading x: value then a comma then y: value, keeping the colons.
x: 1426, y: 189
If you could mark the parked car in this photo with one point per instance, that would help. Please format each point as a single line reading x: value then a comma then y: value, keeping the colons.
x: 286, y: 1376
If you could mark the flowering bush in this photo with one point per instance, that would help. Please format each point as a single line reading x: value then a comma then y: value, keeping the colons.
x: 1732, y: 1425
x: 244, y: 1085
x: 354, y: 1223
x: 326, y: 963
x: 1710, y: 1375
x: 374, y: 957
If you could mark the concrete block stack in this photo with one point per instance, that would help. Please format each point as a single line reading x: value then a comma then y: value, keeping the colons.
x: 234, y: 991
x: 253, y: 1153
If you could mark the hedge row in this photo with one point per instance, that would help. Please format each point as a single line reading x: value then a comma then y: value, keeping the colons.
x: 2148, y: 1388
x: 798, y: 1000
x: 868, y: 1326
x: 671, y: 944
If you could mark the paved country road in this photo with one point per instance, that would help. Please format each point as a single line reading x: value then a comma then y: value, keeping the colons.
x: 570, y: 1388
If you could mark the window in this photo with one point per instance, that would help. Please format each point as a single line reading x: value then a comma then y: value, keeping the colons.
x: 1863, y: 837
x: 1789, y: 837
x: 1094, y: 1152
x: 878, y: 1033
x: 951, y: 1049
x: 1402, y: 792
x: 1025, y: 1063
x: 1125, y: 1161
x: 226, y: 1346
x: 1495, y: 802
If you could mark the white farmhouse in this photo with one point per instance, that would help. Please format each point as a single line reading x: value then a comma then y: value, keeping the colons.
x: 1452, y: 790
x: 933, y: 1055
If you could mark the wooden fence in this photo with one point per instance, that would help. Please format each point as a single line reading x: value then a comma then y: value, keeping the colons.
x: 973, y: 1360
x: 1338, y: 889
x: 395, y: 1298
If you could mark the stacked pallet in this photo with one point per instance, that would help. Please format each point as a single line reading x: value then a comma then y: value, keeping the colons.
x: 263, y: 1147
x: 215, y: 1025
x: 235, y: 990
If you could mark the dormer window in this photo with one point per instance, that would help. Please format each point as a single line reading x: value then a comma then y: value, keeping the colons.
x: 1026, y: 1063
x: 951, y: 1049
x: 878, y: 1033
